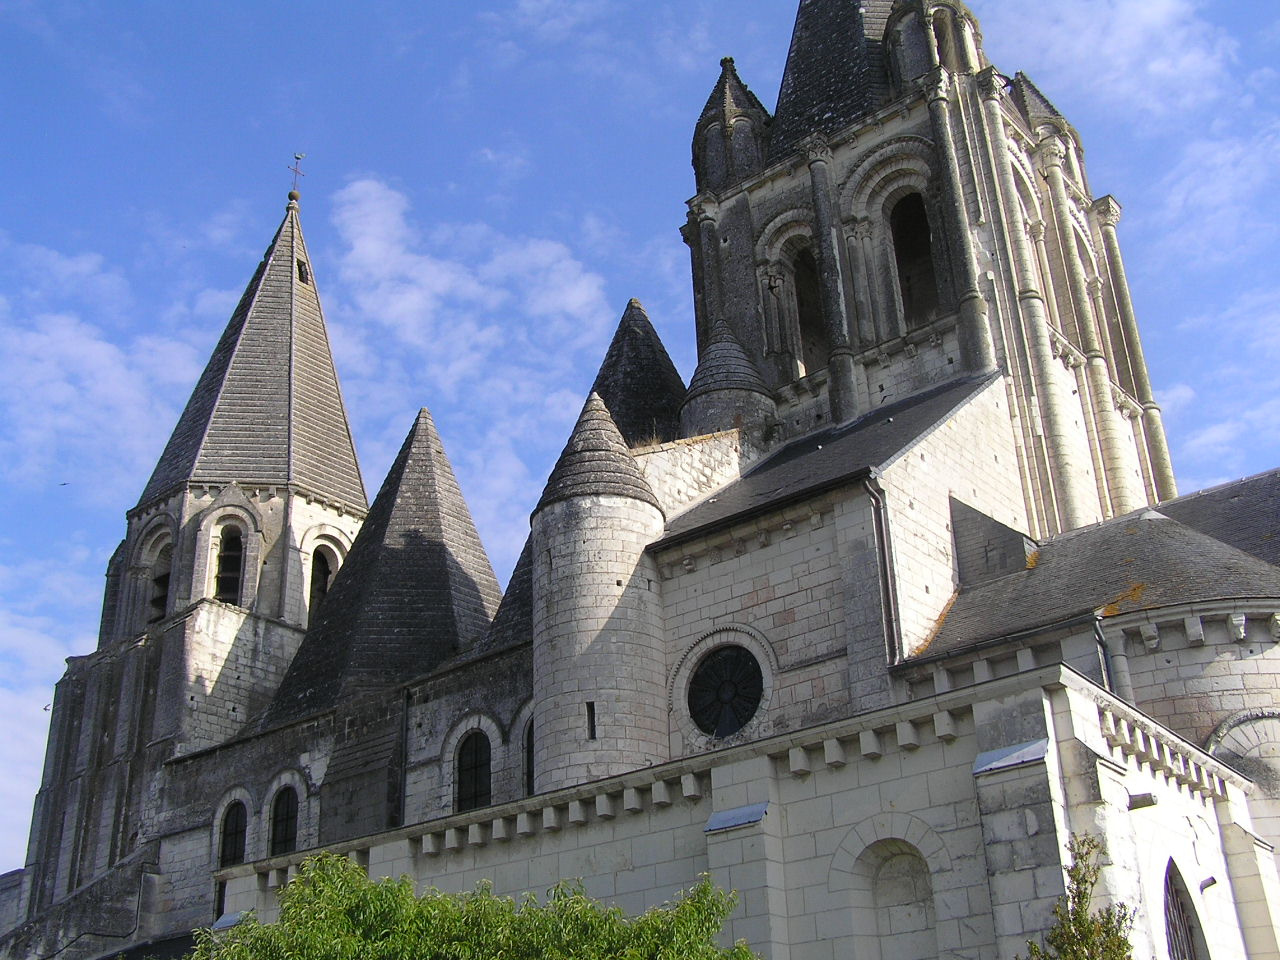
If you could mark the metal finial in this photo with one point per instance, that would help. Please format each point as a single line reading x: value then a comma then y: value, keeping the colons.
x: 297, y: 172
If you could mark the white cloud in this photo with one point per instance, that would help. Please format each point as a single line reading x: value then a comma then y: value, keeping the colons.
x: 1157, y: 57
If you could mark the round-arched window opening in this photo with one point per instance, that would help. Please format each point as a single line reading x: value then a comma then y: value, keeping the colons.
x: 725, y: 691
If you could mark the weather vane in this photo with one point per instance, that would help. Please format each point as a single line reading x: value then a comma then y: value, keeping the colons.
x: 297, y: 169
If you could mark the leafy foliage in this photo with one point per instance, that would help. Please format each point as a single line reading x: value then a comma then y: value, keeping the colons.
x: 1077, y: 932
x: 332, y: 911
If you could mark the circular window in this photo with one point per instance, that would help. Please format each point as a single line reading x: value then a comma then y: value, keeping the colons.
x: 725, y: 691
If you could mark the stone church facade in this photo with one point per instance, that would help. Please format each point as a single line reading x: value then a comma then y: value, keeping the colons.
x: 866, y: 621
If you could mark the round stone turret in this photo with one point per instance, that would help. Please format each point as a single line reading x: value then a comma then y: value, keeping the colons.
x: 727, y: 390
x: 599, y: 659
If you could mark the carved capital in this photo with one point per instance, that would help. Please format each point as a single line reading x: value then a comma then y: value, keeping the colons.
x: 862, y: 229
x: 991, y: 84
x: 1035, y: 230
x: 937, y: 84
x: 1107, y: 209
x: 703, y: 210
x: 1094, y: 284
x: 1051, y: 151
x: 816, y: 149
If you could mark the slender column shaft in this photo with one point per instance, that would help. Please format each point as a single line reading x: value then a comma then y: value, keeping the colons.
x: 1125, y: 495
x: 840, y: 388
x: 1157, y: 443
x: 1068, y: 494
x: 977, y: 350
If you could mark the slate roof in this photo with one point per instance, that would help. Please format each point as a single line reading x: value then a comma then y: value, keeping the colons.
x: 416, y: 588
x: 825, y: 459
x: 725, y: 366
x: 730, y: 98
x: 1242, y: 514
x: 638, y: 382
x: 834, y: 72
x: 1137, y: 562
x: 1028, y: 98
x: 267, y: 408
x: 595, y: 461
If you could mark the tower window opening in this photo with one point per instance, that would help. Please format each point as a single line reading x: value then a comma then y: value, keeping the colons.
x: 591, y: 720
x: 284, y: 822
x: 304, y: 272
x: 322, y: 570
x: 230, y: 566
x: 475, y: 787
x: 528, y: 759
x: 231, y: 844
x: 814, y: 344
x: 913, y: 256
x: 160, y: 573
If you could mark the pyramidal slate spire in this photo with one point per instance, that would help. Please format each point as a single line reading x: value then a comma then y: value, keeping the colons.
x: 416, y: 588
x: 268, y: 409
x: 596, y: 462
x: 725, y: 365
x: 639, y: 383
x: 834, y: 72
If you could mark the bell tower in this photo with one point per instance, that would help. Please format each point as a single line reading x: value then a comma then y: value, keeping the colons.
x: 909, y: 216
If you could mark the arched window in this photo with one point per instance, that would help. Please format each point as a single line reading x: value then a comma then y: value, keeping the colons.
x: 913, y: 256
x: 284, y: 822
x: 815, y: 347
x: 1181, y: 927
x: 529, y: 768
x: 226, y: 585
x: 158, y: 605
x: 235, y: 823
x: 323, y: 566
x: 474, y: 785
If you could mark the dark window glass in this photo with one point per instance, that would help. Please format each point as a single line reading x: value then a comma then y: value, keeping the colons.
x: 725, y: 691
x: 528, y: 759
x: 913, y: 254
x: 474, y: 786
x: 284, y: 822
x: 815, y: 347
x: 234, y: 824
x: 1179, y: 919
x: 321, y: 574
x: 230, y: 566
x: 159, y: 604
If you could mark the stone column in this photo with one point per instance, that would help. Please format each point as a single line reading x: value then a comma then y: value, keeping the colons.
x: 977, y: 351
x: 1065, y: 492
x: 709, y: 247
x: 840, y: 390
x: 1108, y: 212
x: 1125, y: 495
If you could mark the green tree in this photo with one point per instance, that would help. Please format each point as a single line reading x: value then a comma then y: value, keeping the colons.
x: 332, y: 911
x: 1079, y: 933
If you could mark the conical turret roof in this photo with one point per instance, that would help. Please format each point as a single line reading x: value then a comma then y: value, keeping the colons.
x: 725, y: 366
x: 416, y: 588
x: 1033, y: 104
x: 639, y: 383
x: 268, y: 409
x: 596, y: 462
x: 834, y: 72
x: 731, y: 98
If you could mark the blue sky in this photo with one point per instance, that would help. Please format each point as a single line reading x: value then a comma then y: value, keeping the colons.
x: 487, y: 184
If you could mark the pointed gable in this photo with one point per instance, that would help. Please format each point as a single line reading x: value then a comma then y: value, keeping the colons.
x: 596, y: 462
x: 1033, y: 104
x: 731, y: 98
x: 416, y: 588
x: 267, y: 408
x: 834, y: 72
x: 639, y: 383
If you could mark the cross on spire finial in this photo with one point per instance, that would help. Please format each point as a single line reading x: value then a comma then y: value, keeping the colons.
x: 297, y: 169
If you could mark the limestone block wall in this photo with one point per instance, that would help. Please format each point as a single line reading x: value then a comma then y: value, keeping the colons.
x: 970, y: 457
x: 782, y: 585
x: 598, y: 644
x: 686, y: 470
x: 970, y: 796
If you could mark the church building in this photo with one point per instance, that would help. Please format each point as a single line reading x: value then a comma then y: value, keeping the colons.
x: 867, y: 621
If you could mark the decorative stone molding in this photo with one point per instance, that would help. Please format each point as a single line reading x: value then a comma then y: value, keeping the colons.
x: 991, y: 84
x: 816, y: 149
x: 1107, y: 209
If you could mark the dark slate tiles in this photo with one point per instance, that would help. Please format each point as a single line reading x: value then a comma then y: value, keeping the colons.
x: 1242, y: 514
x: 824, y: 459
x: 834, y: 73
x: 725, y: 366
x: 1141, y: 561
x: 638, y: 382
x: 416, y: 588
